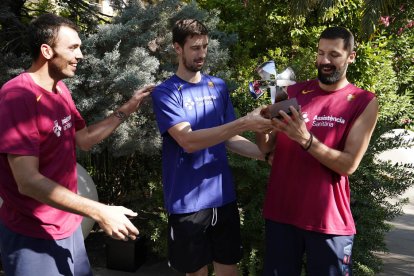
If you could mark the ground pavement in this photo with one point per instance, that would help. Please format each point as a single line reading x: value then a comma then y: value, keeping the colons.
x: 400, y: 242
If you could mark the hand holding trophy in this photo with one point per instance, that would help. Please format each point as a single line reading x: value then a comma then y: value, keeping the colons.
x: 277, y: 85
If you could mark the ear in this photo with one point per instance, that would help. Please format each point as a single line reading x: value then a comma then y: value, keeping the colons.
x: 352, y: 57
x: 46, y: 51
x: 177, y: 48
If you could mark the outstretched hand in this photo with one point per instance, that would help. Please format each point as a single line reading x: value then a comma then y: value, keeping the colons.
x: 140, y: 94
x: 257, y: 123
x: 115, y: 223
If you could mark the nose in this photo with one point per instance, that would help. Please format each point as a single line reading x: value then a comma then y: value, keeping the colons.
x: 203, y: 52
x: 79, y: 54
x: 324, y: 59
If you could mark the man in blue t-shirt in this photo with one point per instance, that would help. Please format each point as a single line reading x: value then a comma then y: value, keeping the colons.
x: 197, y: 123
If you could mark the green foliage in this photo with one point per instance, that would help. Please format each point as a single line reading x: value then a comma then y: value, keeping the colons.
x: 250, y: 178
x: 135, y: 49
x: 17, y: 14
x: 398, y: 27
x: 12, y: 65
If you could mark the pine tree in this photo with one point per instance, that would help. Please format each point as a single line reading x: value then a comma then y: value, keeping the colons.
x: 136, y: 49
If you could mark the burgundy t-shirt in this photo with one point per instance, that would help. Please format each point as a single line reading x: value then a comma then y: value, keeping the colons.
x: 37, y: 122
x: 301, y: 191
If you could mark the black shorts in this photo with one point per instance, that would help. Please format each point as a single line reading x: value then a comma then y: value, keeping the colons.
x: 199, y: 238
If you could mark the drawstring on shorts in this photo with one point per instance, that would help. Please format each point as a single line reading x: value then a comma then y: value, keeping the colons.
x: 214, y: 218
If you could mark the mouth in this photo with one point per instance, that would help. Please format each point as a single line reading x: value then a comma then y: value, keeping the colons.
x: 73, y: 65
x: 199, y: 61
x: 327, y: 69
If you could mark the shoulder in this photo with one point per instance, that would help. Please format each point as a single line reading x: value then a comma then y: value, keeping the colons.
x: 213, y: 78
x: 215, y: 82
x: 167, y: 88
x: 360, y: 93
x: 19, y: 86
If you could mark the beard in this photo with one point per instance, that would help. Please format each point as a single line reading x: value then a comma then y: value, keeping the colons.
x: 333, y: 77
x: 193, y: 66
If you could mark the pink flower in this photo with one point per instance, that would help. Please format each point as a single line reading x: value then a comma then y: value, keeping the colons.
x: 385, y: 20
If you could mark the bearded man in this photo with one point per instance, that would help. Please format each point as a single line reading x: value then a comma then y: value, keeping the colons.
x: 307, y: 204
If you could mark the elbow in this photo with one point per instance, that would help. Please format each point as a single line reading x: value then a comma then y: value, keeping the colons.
x: 187, y: 145
x: 85, y: 146
x: 25, y: 188
x: 189, y: 148
x: 347, y: 171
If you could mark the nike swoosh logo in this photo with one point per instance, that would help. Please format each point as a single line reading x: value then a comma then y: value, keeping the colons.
x: 304, y: 92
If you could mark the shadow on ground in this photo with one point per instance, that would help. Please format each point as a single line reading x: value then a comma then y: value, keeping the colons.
x: 95, y: 247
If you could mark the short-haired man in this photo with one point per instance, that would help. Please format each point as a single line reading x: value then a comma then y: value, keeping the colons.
x: 40, y: 217
x: 307, y: 203
x: 197, y: 122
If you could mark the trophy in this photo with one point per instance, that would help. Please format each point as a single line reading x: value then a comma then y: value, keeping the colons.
x: 276, y: 85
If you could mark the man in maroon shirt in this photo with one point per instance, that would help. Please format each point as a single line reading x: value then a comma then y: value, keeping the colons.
x: 40, y: 128
x: 307, y: 204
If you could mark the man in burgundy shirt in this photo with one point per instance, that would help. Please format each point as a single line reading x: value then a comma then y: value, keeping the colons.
x: 307, y: 204
x: 40, y: 128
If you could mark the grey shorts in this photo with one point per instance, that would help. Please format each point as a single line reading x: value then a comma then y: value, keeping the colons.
x: 22, y: 255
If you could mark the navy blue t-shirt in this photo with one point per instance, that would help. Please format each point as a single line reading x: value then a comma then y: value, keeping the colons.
x: 202, y: 179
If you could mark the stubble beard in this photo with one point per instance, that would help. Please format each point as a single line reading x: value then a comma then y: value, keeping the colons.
x: 58, y: 69
x: 191, y: 66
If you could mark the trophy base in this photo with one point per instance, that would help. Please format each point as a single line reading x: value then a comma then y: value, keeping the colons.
x: 272, y: 111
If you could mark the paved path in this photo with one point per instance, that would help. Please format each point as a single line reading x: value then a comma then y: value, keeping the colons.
x: 400, y: 242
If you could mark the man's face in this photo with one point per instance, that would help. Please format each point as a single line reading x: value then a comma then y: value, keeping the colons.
x: 193, y: 55
x: 332, y: 61
x: 66, y: 54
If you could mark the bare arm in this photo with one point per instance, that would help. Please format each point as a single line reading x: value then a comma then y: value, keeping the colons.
x: 192, y: 141
x: 266, y: 142
x: 91, y: 135
x: 343, y: 162
x: 244, y: 147
x: 30, y: 182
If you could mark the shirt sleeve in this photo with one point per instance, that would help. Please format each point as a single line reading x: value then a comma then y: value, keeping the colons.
x: 167, y: 107
x: 18, y: 125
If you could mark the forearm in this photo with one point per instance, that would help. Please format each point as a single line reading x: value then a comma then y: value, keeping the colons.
x: 244, y: 147
x: 51, y: 193
x: 194, y: 140
x: 341, y: 162
x: 94, y: 134
x: 97, y: 132
x: 346, y: 161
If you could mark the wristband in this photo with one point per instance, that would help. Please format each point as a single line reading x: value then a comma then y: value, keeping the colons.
x: 120, y: 115
x: 308, y: 143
